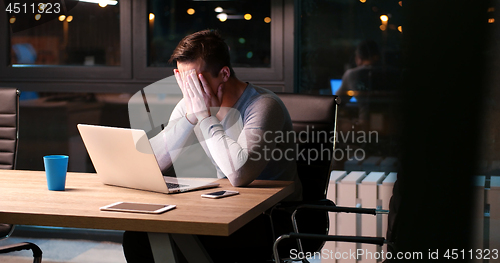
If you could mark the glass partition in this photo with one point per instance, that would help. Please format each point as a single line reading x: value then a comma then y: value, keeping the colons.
x: 329, y: 34
x: 245, y: 25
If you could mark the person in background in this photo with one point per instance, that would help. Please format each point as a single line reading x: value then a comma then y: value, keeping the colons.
x: 357, y: 82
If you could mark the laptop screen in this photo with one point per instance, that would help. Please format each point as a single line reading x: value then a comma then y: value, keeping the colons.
x: 335, y: 85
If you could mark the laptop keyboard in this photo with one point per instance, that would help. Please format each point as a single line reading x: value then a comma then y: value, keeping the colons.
x: 172, y: 185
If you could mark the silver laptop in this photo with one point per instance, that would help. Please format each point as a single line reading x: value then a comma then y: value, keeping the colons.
x: 124, y: 157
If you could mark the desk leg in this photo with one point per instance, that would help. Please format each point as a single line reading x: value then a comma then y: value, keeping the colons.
x: 161, y: 246
x: 190, y: 246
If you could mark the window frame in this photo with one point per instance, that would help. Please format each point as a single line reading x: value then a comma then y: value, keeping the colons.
x: 67, y: 73
x: 133, y: 73
x: 273, y: 73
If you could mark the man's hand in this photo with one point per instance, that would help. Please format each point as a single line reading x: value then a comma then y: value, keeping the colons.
x: 187, y: 100
x: 211, y: 99
x: 202, y: 98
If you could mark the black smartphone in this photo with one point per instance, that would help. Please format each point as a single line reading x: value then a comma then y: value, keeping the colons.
x: 220, y: 194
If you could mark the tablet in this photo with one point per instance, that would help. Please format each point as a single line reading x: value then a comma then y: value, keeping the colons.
x: 137, y: 207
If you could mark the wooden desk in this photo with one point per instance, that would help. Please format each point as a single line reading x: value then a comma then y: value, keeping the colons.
x: 25, y: 199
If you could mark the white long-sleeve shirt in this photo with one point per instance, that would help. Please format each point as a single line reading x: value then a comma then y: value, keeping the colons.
x: 253, y: 141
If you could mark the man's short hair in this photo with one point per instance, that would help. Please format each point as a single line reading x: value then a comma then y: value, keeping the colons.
x: 367, y: 49
x: 207, y: 45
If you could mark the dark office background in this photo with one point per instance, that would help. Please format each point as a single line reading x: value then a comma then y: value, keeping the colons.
x: 445, y: 61
x: 446, y: 51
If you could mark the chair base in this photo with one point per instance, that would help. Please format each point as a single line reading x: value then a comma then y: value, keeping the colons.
x: 37, y: 252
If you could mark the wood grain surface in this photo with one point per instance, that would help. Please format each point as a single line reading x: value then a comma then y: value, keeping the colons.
x: 25, y: 200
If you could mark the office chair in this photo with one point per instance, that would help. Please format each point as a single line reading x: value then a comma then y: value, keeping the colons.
x: 302, y: 235
x: 316, y: 115
x: 314, y: 121
x: 9, y: 121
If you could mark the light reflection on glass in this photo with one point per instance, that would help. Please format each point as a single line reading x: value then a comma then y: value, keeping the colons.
x: 89, y: 36
x: 222, y: 17
x: 235, y: 20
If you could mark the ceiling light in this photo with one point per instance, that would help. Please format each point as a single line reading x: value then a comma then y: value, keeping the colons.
x: 222, y: 17
x: 107, y: 2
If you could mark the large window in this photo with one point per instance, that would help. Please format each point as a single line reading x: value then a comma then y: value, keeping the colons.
x: 86, y: 34
x: 258, y: 33
x: 329, y: 33
x: 125, y: 45
x: 245, y: 25
x: 65, y: 45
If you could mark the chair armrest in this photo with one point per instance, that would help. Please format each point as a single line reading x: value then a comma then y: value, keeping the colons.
x: 341, y: 209
x: 328, y: 208
x: 293, y: 205
x: 283, y: 212
x: 37, y: 252
x: 6, y: 230
x: 354, y: 239
x: 333, y: 208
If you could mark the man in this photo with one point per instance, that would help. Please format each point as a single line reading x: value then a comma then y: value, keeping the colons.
x: 236, y: 123
x: 357, y: 81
